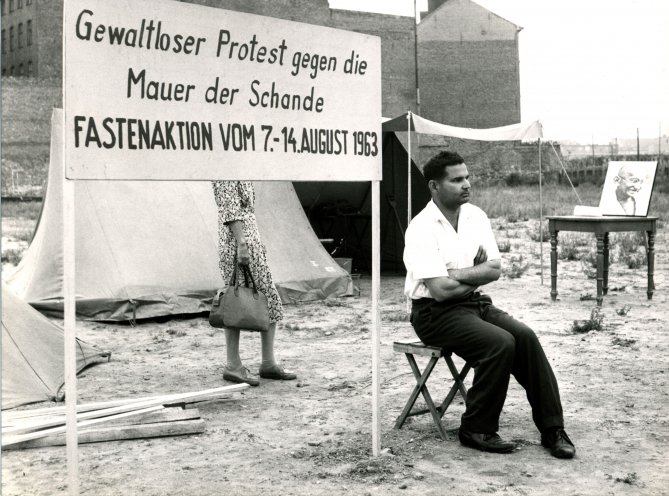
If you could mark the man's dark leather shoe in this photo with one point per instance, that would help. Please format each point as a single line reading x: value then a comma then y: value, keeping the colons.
x: 485, y: 442
x: 558, y: 442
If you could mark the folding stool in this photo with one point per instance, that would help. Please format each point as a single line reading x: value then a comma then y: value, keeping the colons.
x: 411, y: 348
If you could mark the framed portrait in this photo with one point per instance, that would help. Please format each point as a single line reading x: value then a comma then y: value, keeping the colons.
x: 628, y: 188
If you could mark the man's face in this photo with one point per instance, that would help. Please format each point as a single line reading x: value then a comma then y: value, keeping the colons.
x: 629, y: 183
x: 453, y: 189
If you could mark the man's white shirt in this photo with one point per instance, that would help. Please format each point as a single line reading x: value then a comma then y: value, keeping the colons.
x: 432, y: 246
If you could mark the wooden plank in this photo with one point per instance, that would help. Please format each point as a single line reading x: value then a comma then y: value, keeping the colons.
x: 165, y: 415
x: 119, y: 433
x: 222, y: 393
x: 184, y: 397
x: 8, y: 440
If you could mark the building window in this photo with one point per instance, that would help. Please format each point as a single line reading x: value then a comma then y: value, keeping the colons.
x: 11, y: 5
x: 20, y: 35
x: 20, y: 4
x: 11, y: 38
x: 28, y: 2
x: 29, y: 32
x: 20, y: 69
x: 4, y: 41
x: 2, y: 2
x: 11, y: 71
x: 30, y: 68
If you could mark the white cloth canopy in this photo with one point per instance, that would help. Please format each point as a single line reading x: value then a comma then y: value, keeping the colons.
x: 531, y: 131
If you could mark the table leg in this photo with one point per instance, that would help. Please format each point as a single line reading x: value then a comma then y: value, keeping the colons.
x: 554, y: 243
x: 600, y: 268
x: 605, y: 283
x: 651, y: 263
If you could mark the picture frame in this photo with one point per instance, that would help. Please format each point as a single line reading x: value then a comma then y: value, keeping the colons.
x: 628, y: 188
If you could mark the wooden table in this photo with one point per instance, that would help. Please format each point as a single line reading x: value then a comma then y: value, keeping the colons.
x: 601, y: 227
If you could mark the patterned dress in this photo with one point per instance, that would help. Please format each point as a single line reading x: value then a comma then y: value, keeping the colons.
x: 236, y: 201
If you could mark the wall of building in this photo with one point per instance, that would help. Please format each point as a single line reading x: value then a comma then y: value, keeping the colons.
x: 397, y: 54
x: 468, y: 64
x: 49, y: 21
x: 19, y: 44
x: 468, y: 71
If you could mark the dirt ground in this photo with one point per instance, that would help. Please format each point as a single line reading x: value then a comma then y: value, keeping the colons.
x: 313, y: 436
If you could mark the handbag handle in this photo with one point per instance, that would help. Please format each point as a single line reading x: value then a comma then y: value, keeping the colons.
x: 235, y: 280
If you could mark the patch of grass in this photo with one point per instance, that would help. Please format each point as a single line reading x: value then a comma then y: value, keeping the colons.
x: 335, y: 303
x: 624, y: 310
x: 20, y: 209
x: 504, y: 246
x: 517, y: 266
x: 594, y: 323
x: 158, y: 337
x: 12, y: 256
x: 396, y: 316
x: 634, y: 260
x: 537, y: 234
x: 522, y: 202
x: 623, y: 342
x: 176, y: 332
x: 568, y: 250
x: 630, y: 478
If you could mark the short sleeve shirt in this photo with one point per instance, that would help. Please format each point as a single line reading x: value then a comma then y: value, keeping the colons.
x: 432, y: 246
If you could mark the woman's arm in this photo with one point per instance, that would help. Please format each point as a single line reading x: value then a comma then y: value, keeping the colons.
x: 242, y: 248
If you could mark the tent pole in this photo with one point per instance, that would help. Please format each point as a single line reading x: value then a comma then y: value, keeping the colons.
x: 409, y: 168
x: 69, y: 327
x: 541, y: 216
x: 376, y: 318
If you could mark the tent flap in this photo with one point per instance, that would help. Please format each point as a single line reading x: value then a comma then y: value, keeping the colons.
x: 32, y: 354
x: 514, y: 132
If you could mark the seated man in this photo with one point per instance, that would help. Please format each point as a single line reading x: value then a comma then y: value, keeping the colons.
x: 450, y: 251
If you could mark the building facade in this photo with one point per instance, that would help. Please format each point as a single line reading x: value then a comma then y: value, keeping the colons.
x: 32, y: 38
x: 469, y: 73
x: 467, y: 66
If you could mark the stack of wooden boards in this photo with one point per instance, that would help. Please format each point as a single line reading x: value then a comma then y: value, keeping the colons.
x: 157, y: 416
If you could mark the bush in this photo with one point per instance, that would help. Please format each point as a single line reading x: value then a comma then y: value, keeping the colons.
x: 538, y: 235
x: 12, y: 256
x: 594, y: 323
x: 514, y: 179
x: 517, y: 267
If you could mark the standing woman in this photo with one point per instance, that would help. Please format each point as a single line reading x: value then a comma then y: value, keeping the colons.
x: 239, y: 239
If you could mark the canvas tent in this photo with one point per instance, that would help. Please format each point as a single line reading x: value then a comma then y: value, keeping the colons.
x: 342, y: 211
x: 398, y: 201
x: 149, y: 248
x: 32, y: 354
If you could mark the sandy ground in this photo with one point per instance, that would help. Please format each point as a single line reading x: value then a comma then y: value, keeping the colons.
x: 313, y: 436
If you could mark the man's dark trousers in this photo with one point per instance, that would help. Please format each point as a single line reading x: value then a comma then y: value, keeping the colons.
x: 496, y: 345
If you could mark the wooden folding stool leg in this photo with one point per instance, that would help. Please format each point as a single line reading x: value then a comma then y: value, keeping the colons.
x: 459, y: 384
x: 409, y: 349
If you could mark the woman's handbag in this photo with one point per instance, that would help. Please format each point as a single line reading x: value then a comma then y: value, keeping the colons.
x: 240, y: 306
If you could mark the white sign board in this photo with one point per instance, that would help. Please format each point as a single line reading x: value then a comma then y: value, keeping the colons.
x: 173, y: 91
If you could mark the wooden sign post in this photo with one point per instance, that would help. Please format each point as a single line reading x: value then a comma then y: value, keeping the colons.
x: 163, y: 90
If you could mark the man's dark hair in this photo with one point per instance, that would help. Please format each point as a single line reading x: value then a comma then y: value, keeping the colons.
x: 435, y: 168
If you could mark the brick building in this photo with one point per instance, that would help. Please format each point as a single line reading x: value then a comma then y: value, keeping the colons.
x: 31, y: 38
x: 468, y: 66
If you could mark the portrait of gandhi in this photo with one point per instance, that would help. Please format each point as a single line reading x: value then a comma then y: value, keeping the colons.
x: 627, y: 188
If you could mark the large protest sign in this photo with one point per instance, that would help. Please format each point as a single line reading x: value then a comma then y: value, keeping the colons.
x: 167, y: 90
